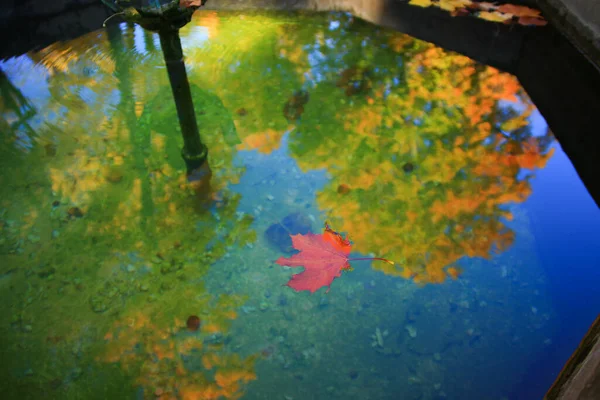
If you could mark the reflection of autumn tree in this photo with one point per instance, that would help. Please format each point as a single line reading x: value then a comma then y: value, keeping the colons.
x: 244, y: 58
x: 110, y: 223
x: 81, y: 73
x: 127, y: 164
x: 428, y: 151
x: 171, y: 363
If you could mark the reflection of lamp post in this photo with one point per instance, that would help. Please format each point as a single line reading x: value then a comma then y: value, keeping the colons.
x: 166, y: 17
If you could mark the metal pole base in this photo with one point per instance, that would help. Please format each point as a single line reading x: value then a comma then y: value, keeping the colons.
x: 194, y: 161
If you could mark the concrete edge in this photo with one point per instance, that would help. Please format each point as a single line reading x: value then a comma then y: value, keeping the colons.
x: 584, y: 36
x: 579, y: 376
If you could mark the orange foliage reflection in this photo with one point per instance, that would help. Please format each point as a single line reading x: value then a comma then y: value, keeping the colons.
x: 428, y: 164
x: 169, y: 362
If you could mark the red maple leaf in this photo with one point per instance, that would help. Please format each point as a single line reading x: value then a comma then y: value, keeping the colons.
x: 323, y: 258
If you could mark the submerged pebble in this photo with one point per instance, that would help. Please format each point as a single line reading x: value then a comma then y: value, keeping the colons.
x: 76, y: 373
x: 74, y: 212
x: 283, y: 300
x: 50, y: 149
x: 33, y: 238
x: 193, y: 323
x: 408, y: 167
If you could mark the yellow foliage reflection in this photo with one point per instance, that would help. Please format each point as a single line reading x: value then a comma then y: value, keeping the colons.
x: 423, y: 158
x: 171, y: 362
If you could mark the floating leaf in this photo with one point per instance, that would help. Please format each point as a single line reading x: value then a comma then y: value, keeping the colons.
x: 323, y: 258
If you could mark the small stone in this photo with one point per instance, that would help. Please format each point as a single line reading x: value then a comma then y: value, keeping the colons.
x: 33, y: 238
x: 412, y: 331
x: 408, y: 167
x: 263, y: 306
x: 144, y: 287
x: 76, y: 373
x: 47, y: 272
x: 114, y: 175
x: 378, y: 337
x: 343, y: 189
x: 74, y: 212
x: 98, y: 306
x: 437, y: 356
x: 55, y: 234
x: 270, y: 197
x: 50, y: 149
x: 193, y: 323
x: 55, y: 383
x: 130, y: 268
x: 324, y: 302
x: 283, y: 300
x: 27, y: 328
x: 534, y: 310
x: 289, y: 316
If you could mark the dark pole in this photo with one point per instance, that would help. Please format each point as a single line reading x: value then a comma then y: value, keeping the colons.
x: 194, y: 151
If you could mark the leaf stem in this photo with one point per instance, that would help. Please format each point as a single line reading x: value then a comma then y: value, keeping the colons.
x: 111, y: 16
x: 372, y: 258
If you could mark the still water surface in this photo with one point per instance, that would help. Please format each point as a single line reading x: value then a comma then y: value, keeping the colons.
x: 420, y: 155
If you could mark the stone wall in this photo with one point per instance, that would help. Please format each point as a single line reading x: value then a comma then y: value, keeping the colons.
x: 579, y: 20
